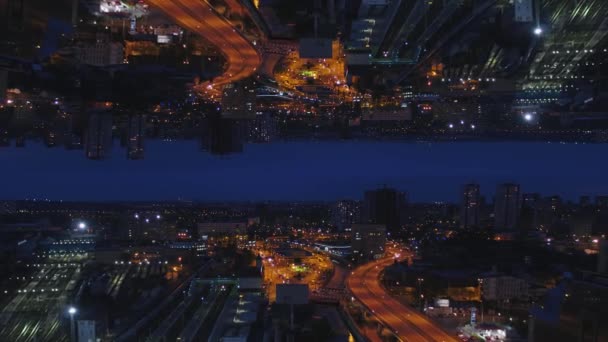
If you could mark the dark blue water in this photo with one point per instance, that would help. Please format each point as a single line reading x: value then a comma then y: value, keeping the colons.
x: 304, y: 171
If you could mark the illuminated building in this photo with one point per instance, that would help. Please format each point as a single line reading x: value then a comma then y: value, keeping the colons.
x: 263, y: 128
x: 367, y: 241
x: 100, y: 52
x: 98, y: 139
x: 344, y: 213
x: 469, y: 213
x: 238, y: 100
x: 507, y: 206
x: 504, y: 287
x: 222, y: 229
x: 135, y: 136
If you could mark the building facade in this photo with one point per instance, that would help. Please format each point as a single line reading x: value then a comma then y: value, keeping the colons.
x: 469, y: 212
x: 384, y: 206
x: 502, y: 287
x: 345, y: 213
x: 507, y: 206
x: 367, y: 241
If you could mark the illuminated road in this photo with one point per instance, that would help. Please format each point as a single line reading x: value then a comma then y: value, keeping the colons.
x: 199, y: 16
x: 408, y: 324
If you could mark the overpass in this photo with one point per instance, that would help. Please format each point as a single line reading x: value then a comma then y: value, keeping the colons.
x: 201, y: 17
x: 406, y: 323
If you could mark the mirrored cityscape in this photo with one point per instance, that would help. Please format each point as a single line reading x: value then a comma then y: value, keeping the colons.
x: 328, y: 170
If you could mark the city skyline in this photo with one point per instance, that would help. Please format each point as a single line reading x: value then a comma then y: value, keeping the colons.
x: 327, y: 170
x: 282, y: 171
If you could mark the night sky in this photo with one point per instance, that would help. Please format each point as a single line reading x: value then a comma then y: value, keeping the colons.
x: 303, y: 171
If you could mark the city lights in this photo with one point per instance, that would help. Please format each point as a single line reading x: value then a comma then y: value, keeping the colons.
x: 421, y: 170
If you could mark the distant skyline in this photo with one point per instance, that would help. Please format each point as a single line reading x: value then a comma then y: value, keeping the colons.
x: 304, y: 171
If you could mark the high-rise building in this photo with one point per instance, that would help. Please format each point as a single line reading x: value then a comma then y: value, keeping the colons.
x: 135, y: 136
x: 345, y: 213
x: 507, y: 206
x: 504, y: 287
x: 223, y: 136
x: 3, y: 84
x: 14, y: 14
x: 581, y: 221
x: 384, y: 206
x: 584, y: 201
x: 99, y: 135
x: 75, y: 4
x: 601, y: 201
x: 238, y: 100
x: 555, y: 203
x: 100, y: 52
x: 530, y: 212
x: 531, y: 200
x: 367, y: 241
x: 263, y: 128
x: 471, y: 201
x: 602, y: 259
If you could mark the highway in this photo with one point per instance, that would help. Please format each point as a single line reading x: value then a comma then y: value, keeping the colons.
x: 407, y: 323
x: 200, y: 17
x: 338, y: 278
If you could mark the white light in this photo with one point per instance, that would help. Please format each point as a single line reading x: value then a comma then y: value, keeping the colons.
x: 72, y: 310
x: 136, y: 216
x: 158, y: 217
x: 82, y: 225
x: 538, y: 31
x: 451, y: 125
x: 528, y: 117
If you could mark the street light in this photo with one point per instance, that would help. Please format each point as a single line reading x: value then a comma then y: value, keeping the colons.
x: 72, y: 311
x: 82, y: 225
x: 420, y: 280
x: 538, y: 31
